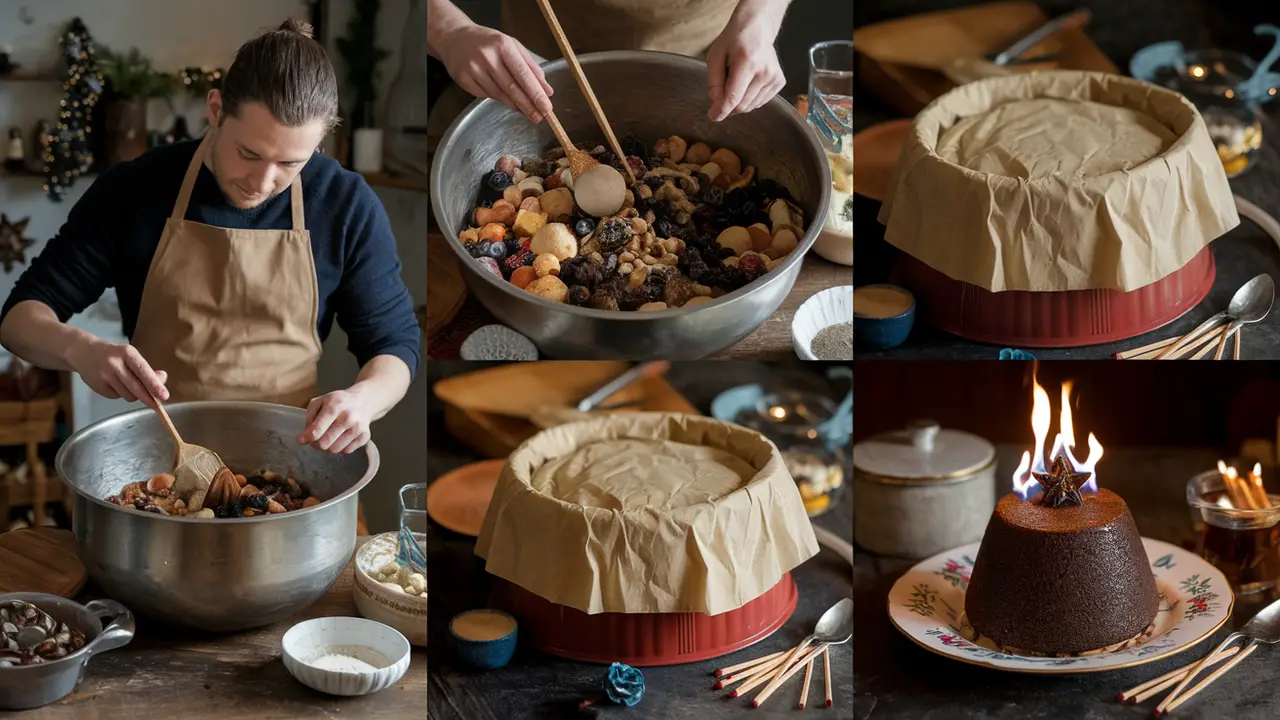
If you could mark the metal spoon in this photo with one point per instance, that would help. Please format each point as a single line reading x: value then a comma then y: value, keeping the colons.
x: 1238, y: 300
x: 835, y: 627
x: 1249, y: 305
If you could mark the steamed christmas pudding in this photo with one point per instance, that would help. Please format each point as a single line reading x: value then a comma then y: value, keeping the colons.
x: 1061, y: 569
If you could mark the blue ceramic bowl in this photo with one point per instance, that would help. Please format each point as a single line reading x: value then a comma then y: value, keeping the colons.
x: 883, y: 333
x: 485, y: 654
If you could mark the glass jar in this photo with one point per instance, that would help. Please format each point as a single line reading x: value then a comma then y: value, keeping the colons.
x: 793, y: 421
x: 1243, y: 544
x: 1211, y: 79
x: 411, y: 550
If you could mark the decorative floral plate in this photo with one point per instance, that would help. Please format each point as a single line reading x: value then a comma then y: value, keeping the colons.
x: 926, y: 604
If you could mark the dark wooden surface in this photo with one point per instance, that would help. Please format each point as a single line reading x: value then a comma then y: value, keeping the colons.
x: 1119, y: 29
x: 899, y: 680
x: 173, y: 673
x: 540, y: 686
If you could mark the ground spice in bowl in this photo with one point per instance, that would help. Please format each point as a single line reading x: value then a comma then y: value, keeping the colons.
x: 834, y: 342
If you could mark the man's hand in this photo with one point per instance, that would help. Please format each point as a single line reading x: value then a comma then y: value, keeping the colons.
x: 489, y: 64
x: 338, y: 422
x: 116, y: 370
x: 743, y: 72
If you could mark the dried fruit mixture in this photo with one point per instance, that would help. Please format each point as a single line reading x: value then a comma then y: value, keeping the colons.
x: 697, y: 225
x: 30, y: 636
x: 260, y: 494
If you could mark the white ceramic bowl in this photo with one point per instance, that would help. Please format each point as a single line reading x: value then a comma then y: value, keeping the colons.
x: 835, y: 246
x: 829, y: 307
x: 306, y: 643
x: 406, y: 613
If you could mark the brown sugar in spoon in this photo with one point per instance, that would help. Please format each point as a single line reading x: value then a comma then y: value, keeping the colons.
x: 194, y: 467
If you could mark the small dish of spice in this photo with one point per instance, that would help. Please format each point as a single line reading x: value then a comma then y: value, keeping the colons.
x: 345, y: 655
x: 823, y: 326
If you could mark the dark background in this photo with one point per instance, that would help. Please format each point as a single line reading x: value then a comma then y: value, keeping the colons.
x: 1122, y: 27
x: 1215, y: 404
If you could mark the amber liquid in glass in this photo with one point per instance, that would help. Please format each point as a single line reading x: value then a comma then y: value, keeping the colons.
x: 1248, y: 557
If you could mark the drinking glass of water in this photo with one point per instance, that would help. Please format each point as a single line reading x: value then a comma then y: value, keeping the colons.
x: 831, y: 93
x: 411, y: 549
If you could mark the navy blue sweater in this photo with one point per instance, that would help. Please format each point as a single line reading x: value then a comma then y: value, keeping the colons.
x: 113, y: 232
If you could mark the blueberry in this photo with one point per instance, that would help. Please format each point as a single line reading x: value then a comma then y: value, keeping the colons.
x: 496, y: 250
x: 584, y: 227
x: 479, y: 249
x: 632, y: 146
x: 222, y: 511
x: 497, y: 181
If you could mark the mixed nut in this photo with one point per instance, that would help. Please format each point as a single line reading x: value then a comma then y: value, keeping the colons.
x: 697, y: 225
x: 397, y: 578
x: 260, y: 494
x: 32, y: 636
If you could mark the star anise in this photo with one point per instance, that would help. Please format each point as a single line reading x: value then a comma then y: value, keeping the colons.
x: 1061, y: 484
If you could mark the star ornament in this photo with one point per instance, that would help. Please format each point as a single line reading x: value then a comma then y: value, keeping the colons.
x: 13, y: 246
x: 1061, y: 484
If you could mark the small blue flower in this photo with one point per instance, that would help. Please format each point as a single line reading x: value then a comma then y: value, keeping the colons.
x: 1008, y: 354
x: 624, y: 685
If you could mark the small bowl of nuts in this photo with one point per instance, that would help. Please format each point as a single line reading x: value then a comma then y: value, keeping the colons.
x: 389, y: 592
x: 46, y: 642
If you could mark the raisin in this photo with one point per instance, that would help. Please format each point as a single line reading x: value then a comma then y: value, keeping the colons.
x: 485, y: 202
x: 712, y: 194
x: 222, y: 511
x: 236, y: 509
x: 513, y: 244
x: 257, y: 502
x: 584, y: 227
x: 663, y: 228
x: 497, y: 180
x: 654, y: 181
x: 603, y: 300
x: 655, y: 162
x: 637, y: 166
x: 632, y: 145
x: 613, y: 234
x: 727, y: 278
x: 611, y: 264
x: 578, y: 295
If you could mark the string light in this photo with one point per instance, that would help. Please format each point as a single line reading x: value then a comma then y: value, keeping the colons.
x: 69, y: 153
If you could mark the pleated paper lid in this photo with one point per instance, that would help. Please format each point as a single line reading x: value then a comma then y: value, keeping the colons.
x: 1060, y: 180
x: 646, y: 513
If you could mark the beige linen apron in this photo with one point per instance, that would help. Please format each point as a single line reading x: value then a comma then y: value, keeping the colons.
x: 231, y: 314
x: 684, y: 27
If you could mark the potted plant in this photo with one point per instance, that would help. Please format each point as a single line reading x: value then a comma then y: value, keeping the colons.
x: 361, y: 57
x: 131, y: 81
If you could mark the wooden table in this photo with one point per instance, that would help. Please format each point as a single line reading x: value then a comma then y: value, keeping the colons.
x: 771, y: 341
x: 899, y: 680
x: 170, y: 673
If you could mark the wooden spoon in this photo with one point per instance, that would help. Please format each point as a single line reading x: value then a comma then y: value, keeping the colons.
x: 194, y: 467
x: 554, y: 25
x: 579, y: 161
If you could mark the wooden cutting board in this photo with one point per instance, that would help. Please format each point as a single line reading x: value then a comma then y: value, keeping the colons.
x: 446, y: 292
x: 498, y: 431
x: 42, y: 560
x: 900, y: 60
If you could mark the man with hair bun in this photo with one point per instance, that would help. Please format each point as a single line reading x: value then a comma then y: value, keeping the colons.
x: 232, y: 256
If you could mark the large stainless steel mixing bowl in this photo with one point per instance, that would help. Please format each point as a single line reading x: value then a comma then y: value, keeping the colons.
x: 217, y: 574
x: 650, y: 95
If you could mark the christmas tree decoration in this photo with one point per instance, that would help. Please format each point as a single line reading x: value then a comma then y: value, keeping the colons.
x: 69, y: 152
x: 199, y: 81
x: 13, y: 246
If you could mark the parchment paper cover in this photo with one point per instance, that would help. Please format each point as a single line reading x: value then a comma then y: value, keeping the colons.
x: 649, y: 538
x: 1086, y: 225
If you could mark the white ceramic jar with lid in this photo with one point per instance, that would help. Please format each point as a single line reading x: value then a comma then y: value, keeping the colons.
x: 922, y: 490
